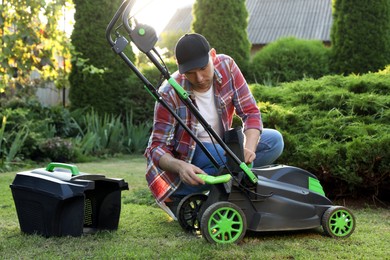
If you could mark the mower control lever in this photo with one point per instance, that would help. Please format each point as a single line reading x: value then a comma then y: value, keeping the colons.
x: 208, y: 179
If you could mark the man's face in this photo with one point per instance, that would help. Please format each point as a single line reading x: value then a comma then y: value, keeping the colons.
x: 202, y: 78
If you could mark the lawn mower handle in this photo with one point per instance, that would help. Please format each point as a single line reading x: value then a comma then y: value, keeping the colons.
x: 118, y: 47
x: 144, y: 37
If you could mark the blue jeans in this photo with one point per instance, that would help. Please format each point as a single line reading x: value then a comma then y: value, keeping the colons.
x: 268, y: 150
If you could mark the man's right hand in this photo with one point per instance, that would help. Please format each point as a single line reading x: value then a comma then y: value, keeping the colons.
x: 186, y: 171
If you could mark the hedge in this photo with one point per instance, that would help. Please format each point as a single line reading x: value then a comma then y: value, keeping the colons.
x: 336, y: 127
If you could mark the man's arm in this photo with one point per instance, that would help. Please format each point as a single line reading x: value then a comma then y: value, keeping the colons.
x: 187, y: 172
x: 252, y: 138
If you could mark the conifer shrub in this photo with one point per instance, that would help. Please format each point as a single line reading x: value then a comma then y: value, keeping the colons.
x: 360, y: 36
x: 289, y: 59
x: 224, y: 24
x: 336, y: 127
x: 99, y: 79
x: 138, y: 100
x: 58, y: 149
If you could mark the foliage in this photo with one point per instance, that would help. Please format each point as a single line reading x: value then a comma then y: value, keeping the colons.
x: 10, y: 145
x: 138, y: 100
x: 360, y: 36
x: 168, y: 41
x: 289, y: 59
x: 26, y: 115
x: 335, y: 127
x: 104, y: 133
x: 136, y: 135
x: 31, y: 43
x: 33, y: 132
x: 58, y: 150
x: 109, y: 135
x: 224, y: 24
x: 98, y: 79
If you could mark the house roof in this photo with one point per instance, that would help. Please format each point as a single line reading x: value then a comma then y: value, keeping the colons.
x: 180, y: 21
x: 271, y: 19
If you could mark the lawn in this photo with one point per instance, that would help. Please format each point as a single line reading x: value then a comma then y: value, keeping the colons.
x: 147, y: 232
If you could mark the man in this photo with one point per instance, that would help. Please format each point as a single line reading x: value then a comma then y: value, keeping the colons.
x: 218, y: 89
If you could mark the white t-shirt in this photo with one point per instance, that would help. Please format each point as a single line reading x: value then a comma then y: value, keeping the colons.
x: 207, y: 108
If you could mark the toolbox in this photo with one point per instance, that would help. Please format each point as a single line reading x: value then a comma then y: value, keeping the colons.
x: 61, y: 201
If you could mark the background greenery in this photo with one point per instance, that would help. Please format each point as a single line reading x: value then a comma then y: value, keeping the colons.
x: 145, y: 231
x: 224, y: 23
x: 103, y: 84
x: 360, y: 36
x: 289, y: 59
x: 334, y: 126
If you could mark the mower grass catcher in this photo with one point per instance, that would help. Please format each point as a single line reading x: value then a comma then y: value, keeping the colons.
x: 61, y: 201
x: 271, y: 198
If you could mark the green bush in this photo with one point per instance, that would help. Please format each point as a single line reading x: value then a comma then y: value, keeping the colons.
x: 336, y: 127
x: 33, y: 132
x: 360, y: 36
x: 99, y: 77
x: 58, y: 150
x: 27, y: 114
x: 289, y: 59
x: 225, y: 29
x: 109, y: 135
x: 137, y: 99
x: 136, y: 136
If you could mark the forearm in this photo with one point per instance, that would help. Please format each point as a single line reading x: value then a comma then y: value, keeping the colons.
x: 252, y: 138
x: 186, y: 171
x: 171, y: 164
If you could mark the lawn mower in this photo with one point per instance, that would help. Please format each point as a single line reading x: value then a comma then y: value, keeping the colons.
x: 241, y: 198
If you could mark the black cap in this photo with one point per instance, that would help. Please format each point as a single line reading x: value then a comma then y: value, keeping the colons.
x: 192, y: 51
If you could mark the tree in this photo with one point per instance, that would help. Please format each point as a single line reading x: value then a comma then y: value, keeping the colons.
x: 168, y: 41
x: 99, y: 79
x: 224, y: 24
x: 31, y: 41
x: 360, y: 36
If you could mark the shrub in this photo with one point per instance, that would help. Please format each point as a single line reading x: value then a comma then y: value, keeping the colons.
x: 98, y: 77
x: 289, y: 59
x: 360, y: 36
x: 28, y: 114
x: 138, y: 100
x: 100, y: 134
x: 109, y: 134
x: 58, y: 149
x: 225, y: 29
x: 335, y: 127
x: 136, y: 136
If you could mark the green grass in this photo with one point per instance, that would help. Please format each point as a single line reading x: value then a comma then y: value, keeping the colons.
x: 147, y: 232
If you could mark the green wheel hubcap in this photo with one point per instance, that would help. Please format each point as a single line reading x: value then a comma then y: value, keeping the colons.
x: 225, y: 225
x: 341, y: 223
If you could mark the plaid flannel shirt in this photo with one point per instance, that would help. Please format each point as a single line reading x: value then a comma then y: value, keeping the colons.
x: 232, y: 95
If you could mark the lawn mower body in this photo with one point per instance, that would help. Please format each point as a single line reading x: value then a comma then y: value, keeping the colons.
x: 289, y: 204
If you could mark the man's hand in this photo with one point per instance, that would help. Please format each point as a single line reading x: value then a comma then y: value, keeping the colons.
x: 249, y: 156
x: 186, y: 171
x: 188, y: 174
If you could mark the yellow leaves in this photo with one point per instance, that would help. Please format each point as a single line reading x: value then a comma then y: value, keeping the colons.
x: 32, y: 41
x: 385, y: 71
x: 12, y: 62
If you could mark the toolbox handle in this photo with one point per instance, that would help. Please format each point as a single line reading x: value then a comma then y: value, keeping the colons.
x: 73, y: 168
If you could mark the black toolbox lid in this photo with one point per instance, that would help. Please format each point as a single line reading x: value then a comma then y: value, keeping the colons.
x: 50, y: 186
